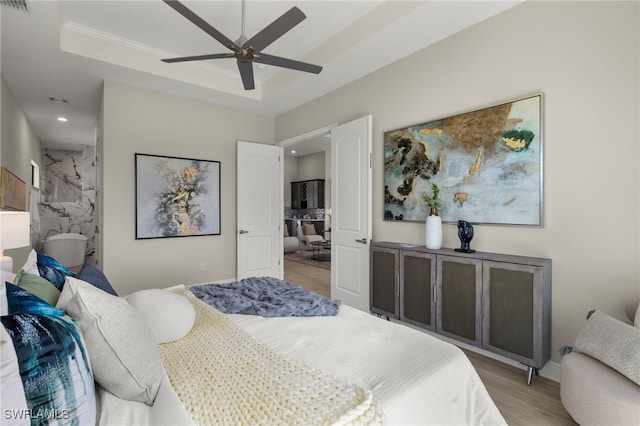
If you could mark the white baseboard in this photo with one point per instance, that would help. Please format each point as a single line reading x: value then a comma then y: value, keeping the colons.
x: 552, y: 371
x: 225, y: 281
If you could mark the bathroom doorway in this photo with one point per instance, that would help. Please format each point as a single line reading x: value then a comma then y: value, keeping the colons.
x: 68, y: 195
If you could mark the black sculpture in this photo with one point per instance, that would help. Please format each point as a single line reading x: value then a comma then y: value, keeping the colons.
x: 465, y: 233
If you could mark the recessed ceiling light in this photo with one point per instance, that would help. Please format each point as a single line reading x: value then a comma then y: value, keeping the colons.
x: 293, y: 151
x: 64, y: 120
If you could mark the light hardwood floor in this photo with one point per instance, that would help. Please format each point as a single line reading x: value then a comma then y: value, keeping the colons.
x: 310, y: 277
x: 538, y: 404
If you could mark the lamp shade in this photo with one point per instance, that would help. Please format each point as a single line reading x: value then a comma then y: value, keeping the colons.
x: 14, y: 230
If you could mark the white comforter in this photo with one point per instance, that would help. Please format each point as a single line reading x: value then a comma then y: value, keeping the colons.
x: 416, y: 378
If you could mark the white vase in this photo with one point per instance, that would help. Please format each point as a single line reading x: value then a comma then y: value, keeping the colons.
x: 433, y: 232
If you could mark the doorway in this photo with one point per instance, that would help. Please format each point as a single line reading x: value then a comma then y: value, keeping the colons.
x: 307, y: 158
x: 350, y: 194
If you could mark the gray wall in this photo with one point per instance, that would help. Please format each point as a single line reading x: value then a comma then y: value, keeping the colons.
x: 290, y: 174
x: 584, y: 57
x: 18, y: 146
x: 311, y: 166
x: 307, y: 167
x: 135, y: 120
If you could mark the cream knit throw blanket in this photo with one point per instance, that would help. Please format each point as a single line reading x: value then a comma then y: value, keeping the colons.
x: 222, y: 375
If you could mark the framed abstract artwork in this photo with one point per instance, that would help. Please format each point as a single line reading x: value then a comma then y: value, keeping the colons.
x: 13, y: 191
x: 176, y: 197
x: 487, y: 164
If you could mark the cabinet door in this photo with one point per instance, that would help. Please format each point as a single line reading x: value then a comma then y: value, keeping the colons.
x: 320, y: 196
x: 295, y: 195
x: 417, y: 288
x: 304, y: 201
x: 384, y: 267
x: 458, y: 297
x: 312, y: 194
x: 513, y: 305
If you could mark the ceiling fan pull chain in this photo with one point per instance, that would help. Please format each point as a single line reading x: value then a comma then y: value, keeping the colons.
x: 242, y: 33
x: 243, y: 38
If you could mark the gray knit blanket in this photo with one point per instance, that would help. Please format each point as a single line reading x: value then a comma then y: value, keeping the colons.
x: 266, y: 297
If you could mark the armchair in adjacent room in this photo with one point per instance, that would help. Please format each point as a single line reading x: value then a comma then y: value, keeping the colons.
x: 306, y: 235
x: 291, y: 244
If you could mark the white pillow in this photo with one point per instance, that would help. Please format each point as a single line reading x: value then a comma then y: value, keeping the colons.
x: 124, y: 357
x: 31, y: 265
x: 612, y: 342
x: 168, y: 315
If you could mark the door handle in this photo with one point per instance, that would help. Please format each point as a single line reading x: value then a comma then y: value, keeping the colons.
x: 362, y: 241
x: 242, y: 231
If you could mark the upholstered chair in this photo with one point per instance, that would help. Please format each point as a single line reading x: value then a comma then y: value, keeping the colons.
x: 291, y: 244
x: 600, y: 383
x: 306, y: 235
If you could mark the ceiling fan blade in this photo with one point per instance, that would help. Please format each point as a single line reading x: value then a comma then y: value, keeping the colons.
x: 202, y: 24
x: 246, y: 72
x: 276, y: 29
x: 198, y: 57
x: 286, y: 63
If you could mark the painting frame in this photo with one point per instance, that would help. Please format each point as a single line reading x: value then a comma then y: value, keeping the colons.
x: 176, y: 197
x: 35, y: 175
x: 13, y: 191
x: 487, y: 163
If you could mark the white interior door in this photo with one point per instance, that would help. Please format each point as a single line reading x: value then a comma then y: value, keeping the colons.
x: 351, y: 212
x: 260, y: 216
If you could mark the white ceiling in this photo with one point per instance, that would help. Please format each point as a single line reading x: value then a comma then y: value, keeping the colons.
x: 65, y: 49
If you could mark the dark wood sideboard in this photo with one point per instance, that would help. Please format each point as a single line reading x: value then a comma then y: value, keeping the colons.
x: 498, y: 302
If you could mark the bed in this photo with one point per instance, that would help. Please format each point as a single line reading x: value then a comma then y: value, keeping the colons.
x: 416, y: 378
x: 351, y: 368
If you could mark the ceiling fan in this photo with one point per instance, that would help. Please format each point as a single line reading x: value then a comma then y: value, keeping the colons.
x: 246, y: 51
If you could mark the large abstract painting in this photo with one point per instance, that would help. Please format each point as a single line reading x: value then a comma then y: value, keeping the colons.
x: 176, y: 197
x: 487, y: 164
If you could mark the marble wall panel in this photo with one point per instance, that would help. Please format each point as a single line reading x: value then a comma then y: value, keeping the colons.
x: 68, y: 195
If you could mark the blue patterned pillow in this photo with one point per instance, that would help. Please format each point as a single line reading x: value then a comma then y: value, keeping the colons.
x: 20, y: 300
x: 46, y: 260
x: 52, y: 275
x: 53, y: 364
x: 51, y: 270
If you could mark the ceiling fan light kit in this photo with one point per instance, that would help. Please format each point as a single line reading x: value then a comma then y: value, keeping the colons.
x: 247, y: 51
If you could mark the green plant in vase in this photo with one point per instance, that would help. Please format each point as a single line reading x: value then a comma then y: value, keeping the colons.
x: 433, y: 201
